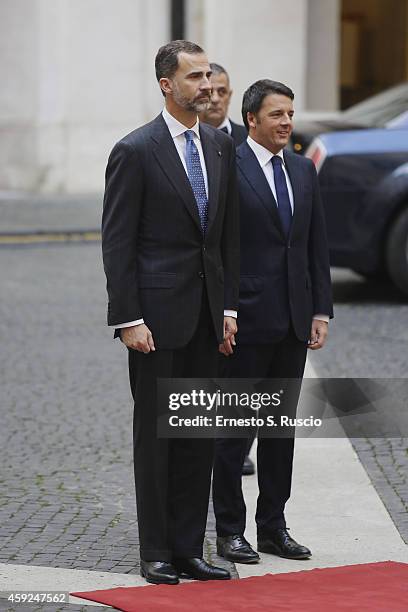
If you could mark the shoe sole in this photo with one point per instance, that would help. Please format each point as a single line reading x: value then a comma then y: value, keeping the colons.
x: 185, y: 576
x: 154, y: 581
x: 268, y: 551
x: 245, y: 561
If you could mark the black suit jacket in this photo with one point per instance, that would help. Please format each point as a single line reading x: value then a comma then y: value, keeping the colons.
x: 282, y: 280
x: 155, y: 257
x: 238, y: 133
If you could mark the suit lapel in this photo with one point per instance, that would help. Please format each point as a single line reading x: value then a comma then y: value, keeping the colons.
x: 254, y: 174
x: 212, y: 156
x: 296, y: 180
x: 167, y: 156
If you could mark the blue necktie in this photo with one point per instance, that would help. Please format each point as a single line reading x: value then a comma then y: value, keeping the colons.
x: 196, y: 178
x: 282, y: 194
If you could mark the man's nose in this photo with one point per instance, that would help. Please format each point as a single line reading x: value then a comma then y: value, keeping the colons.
x: 214, y: 96
x: 205, y: 84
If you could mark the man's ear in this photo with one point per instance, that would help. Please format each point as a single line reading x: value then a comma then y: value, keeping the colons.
x: 251, y: 118
x: 166, y: 85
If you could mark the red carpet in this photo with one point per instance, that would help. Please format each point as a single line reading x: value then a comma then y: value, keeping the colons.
x: 372, y: 587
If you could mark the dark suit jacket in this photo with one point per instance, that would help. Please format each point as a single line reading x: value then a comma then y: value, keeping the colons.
x: 238, y: 133
x: 282, y: 280
x: 155, y: 257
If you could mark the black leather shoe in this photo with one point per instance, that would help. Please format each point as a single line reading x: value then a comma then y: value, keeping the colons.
x: 278, y: 542
x: 198, y: 569
x: 236, y: 548
x: 158, y: 572
x: 248, y: 468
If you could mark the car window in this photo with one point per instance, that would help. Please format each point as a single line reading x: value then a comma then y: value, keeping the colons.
x: 378, y: 110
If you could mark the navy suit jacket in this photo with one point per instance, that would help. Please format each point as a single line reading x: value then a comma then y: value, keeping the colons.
x: 238, y: 133
x: 283, y: 280
x: 155, y: 256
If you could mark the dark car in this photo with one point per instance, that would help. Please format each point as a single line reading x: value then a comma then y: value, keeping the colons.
x: 386, y: 109
x: 363, y: 176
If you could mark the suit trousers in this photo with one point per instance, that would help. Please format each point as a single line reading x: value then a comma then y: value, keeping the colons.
x: 283, y: 359
x: 172, y: 476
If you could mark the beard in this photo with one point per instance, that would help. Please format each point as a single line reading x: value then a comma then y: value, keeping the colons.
x: 195, y: 105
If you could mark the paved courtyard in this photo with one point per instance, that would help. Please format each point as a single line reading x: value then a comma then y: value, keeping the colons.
x: 67, y: 493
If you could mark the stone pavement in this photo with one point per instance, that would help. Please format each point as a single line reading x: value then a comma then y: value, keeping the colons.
x: 369, y: 338
x: 334, y: 509
x: 66, y: 437
x: 386, y: 463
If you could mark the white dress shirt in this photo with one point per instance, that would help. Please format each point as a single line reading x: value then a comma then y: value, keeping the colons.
x: 177, y: 130
x: 226, y: 124
x: 264, y: 157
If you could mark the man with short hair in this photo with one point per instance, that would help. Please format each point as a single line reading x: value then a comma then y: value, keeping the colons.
x: 216, y: 113
x: 170, y: 243
x: 284, y: 308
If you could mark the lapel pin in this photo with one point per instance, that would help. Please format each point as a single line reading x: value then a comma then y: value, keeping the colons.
x: 219, y: 153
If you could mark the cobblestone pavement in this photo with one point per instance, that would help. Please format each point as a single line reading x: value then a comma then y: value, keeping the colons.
x: 369, y: 338
x: 67, y: 486
x: 67, y: 492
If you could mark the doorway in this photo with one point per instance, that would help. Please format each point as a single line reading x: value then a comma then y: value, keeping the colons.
x: 374, y: 47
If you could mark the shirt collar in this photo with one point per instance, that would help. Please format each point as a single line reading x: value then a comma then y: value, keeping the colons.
x: 263, y: 154
x: 226, y: 123
x: 175, y: 127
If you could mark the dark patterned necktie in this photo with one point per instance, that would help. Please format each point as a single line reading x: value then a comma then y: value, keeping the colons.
x: 224, y: 129
x: 196, y: 178
x: 282, y: 194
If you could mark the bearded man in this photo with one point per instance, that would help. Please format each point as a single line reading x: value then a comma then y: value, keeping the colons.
x: 170, y: 240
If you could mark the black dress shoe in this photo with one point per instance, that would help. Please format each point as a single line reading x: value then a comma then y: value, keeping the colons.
x: 278, y: 542
x: 158, y: 572
x: 248, y: 468
x: 236, y: 548
x: 198, y: 569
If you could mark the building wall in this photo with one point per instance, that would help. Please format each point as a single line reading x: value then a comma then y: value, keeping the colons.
x: 18, y: 93
x: 295, y: 42
x: 80, y: 73
x: 322, y: 55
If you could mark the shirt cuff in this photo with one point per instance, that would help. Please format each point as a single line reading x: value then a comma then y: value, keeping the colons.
x: 322, y: 317
x: 231, y: 313
x: 130, y: 324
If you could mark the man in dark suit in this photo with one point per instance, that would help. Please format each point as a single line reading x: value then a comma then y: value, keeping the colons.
x: 216, y: 113
x: 170, y: 246
x: 284, y: 307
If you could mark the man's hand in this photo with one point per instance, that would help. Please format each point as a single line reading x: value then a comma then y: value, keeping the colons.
x: 318, y: 334
x: 138, y: 337
x: 230, y: 329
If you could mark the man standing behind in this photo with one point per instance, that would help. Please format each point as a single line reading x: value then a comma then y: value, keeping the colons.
x: 284, y: 307
x: 170, y: 246
x: 216, y: 113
